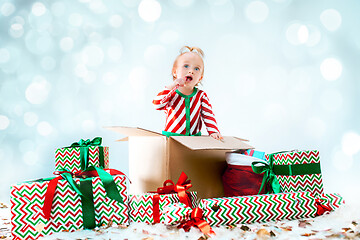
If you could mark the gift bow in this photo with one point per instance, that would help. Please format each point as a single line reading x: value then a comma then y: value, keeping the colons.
x: 321, y: 208
x: 84, y: 151
x: 260, y: 167
x: 180, y: 188
x: 84, y: 190
x: 196, y: 220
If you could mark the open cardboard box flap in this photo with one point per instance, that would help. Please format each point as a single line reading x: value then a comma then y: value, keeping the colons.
x: 193, y: 143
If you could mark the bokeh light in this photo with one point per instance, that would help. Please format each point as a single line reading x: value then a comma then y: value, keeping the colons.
x: 331, y: 19
x: 92, y: 55
x: 183, y: 3
x: 7, y: 8
x: 116, y: 21
x: 31, y: 158
x: 48, y: 63
x: 66, y: 44
x: 222, y: 11
x: 38, y: 90
x: 30, y: 118
x: 4, y: 55
x: 350, y: 143
x: 44, y: 128
x: 38, y: 9
x: 4, y: 122
x: 149, y: 10
x: 331, y: 69
x: 341, y: 161
x: 257, y: 11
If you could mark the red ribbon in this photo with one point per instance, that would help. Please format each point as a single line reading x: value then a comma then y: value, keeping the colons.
x: 196, y: 220
x: 321, y: 208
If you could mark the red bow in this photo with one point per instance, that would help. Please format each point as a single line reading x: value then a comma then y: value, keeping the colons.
x: 196, y: 220
x: 321, y: 208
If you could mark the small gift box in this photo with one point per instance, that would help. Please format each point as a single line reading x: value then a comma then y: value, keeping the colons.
x: 297, y: 171
x: 267, y: 207
x: 81, y: 155
x: 64, y: 203
x: 149, y: 207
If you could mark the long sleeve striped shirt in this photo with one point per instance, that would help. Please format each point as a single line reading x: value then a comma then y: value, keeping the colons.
x: 185, y: 113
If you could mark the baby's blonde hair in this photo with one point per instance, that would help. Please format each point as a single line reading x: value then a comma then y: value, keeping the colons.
x: 186, y: 49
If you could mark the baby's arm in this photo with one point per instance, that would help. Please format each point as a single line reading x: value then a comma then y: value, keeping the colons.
x: 209, y: 118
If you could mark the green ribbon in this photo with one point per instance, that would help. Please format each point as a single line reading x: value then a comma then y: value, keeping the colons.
x: 84, y: 151
x: 297, y: 169
x: 269, y: 178
x: 87, y: 203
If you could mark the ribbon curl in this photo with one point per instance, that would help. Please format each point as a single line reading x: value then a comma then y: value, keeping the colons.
x: 196, y: 220
x: 321, y: 208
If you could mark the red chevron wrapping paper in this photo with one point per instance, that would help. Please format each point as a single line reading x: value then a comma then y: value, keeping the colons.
x: 69, y: 158
x: 267, y: 207
x: 176, y: 213
x: 141, y: 207
x: 309, y: 182
x: 28, y: 221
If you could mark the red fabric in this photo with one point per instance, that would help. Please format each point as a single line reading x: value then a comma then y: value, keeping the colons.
x: 241, y: 181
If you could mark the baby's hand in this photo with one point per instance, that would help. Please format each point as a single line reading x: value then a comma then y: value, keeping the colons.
x: 216, y: 136
x: 180, y: 82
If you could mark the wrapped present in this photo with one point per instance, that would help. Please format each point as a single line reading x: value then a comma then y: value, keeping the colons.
x: 297, y: 171
x: 63, y: 203
x: 150, y: 207
x: 239, y: 179
x: 176, y: 213
x: 267, y: 207
x: 81, y: 155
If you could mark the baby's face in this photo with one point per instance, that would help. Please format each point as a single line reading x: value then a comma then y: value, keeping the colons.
x: 190, y: 67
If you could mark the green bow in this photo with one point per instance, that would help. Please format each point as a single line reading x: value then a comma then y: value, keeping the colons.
x: 269, y: 178
x: 84, y: 151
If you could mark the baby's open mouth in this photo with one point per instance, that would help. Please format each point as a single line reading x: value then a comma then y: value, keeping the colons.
x: 188, y: 78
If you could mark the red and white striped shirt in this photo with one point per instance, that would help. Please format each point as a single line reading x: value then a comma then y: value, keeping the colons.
x: 185, y: 113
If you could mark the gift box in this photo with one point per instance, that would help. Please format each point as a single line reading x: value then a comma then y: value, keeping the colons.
x: 267, y: 207
x: 298, y: 171
x: 81, y: 155
x: 151, y: 208
x: 69, y: 211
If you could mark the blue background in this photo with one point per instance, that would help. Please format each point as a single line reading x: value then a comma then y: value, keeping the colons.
x: 281, y: 73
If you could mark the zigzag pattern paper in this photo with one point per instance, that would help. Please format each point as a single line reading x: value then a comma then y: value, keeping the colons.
x: 27, y: 199
x: 69, y: 158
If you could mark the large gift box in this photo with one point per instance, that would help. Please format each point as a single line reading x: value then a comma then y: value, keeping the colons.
x: 81, y: 155
x: 42, y: 207
x: 161, y: 157
x: 152, y: 208
x: 267, y: 207
x: 298, y: 171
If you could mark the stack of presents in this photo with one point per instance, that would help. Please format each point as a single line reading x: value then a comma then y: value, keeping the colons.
x: 226, y: 183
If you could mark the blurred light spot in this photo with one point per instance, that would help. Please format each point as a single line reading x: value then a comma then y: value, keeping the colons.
x: 38, y: 42
x: 38, y: 91
x: 109, y: 78
x: 48, y: 63
x: 331, y: 100
x: 92, y: 55
x: 274, y: 112
x: 303, y: 34
x: 7, y: 9
x: 4, y: 122
x: 293, y: 33
x: 314, y: 36
x: 183, y: 3
x: 66, y: 44
x: 30, y: 119
x: 115, y: 21
x: 301, y: 79
x: 131, y: 3
x: 16, y: 30
x: 331, y: 19
x: 169, y: 36
x: 98, y: 7
x: 88, y: 125
x: 149, y: 10
x: 18, y: 110
x: 155, y: 55
x: 114, y: 51
x: 81, y: 70
x: 44, y: 128
x: 331, y: 69
x: 341, y: 161
x: 76, y: 19
x: 222, y: 12
x: 58, y: 9
x: 257, y: 11
x: 4, y: 55
x: 30, y: 158
x: 26, y: 145
x: 38, y: 9
x: 350, y: 143
x: 316, y: 127
x: 89, y: 77
x: 17, y: 19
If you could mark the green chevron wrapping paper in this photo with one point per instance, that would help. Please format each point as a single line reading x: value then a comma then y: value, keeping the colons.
x: 176, y: 213
x: 141, y: 207
x: 267, y: 207
x: 27, y: 218
x: 298, y: 171
x: 69, y: 158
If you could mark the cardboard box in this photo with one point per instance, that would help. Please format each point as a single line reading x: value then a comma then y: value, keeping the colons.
x: 153, y: 158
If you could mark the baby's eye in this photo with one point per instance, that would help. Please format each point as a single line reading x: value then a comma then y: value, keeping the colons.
x: 186, y: 66
x: 197, y: 69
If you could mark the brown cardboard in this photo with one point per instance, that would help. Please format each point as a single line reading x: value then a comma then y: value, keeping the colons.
x: 153, y: 158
